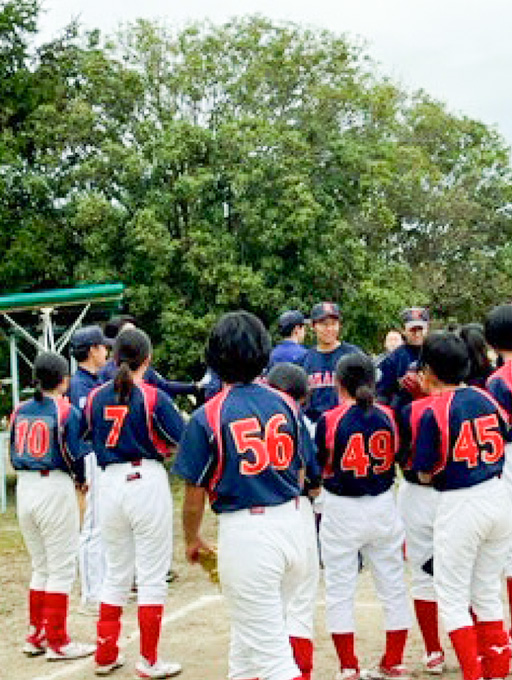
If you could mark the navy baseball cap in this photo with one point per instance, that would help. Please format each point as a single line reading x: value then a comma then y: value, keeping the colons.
x: 415, y: 317
x: 289, y: 319
x: 89, y: 336
x: 323, y: 310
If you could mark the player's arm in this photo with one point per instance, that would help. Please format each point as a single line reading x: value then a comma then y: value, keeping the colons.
x: 498, y: 389
x: 322, y: 454
x: 386, y: 380
x: 195, y: 463
x: 167, y: 419
x: 192, y: 516
x: 171, y: 387
x: 74, y: 450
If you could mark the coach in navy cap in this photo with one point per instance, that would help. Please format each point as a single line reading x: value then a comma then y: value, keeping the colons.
x: 292, y: 328
x: 398, y: 382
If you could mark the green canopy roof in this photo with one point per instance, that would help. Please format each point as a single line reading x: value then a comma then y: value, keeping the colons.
x: 61, y: 297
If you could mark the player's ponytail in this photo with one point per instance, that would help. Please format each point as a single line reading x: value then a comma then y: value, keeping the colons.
x: 355, y: 373
x: 132, y: 347
x: 50, y: 369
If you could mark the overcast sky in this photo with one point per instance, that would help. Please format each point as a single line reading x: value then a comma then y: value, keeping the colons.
x: 460, y: 51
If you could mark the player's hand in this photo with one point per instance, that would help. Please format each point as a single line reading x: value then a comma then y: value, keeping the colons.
x: 411, y: 383
x: 195, y: 547
x: 314, y: 493
x: 82, y: 488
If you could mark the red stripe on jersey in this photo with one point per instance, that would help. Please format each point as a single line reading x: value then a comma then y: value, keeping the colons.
x: 88, y: 403
x: 150, y: 396
x: 63, y: 407
x: 213, y: 409
x: 440, y: 406
x: 332, y: 420
x: 418, y: 408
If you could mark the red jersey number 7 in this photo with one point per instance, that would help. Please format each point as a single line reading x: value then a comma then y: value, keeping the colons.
x: 117, y: 414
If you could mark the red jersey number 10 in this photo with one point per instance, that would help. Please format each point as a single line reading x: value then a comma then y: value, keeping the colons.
x: 269, y: 448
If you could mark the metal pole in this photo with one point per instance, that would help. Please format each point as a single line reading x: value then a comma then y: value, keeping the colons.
x: 15, y: 385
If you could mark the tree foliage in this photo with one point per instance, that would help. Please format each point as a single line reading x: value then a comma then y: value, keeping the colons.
x: 253, y: 165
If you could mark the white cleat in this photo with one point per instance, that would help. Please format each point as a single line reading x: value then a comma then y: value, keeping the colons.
x: 433, y: 663
x: 108, y: 668
x: 32, y: 648
x: 348, y: 674
x: 160, y: 669
x: 73, y: 650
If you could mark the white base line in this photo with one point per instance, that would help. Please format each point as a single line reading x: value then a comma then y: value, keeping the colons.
x: 68, y: 668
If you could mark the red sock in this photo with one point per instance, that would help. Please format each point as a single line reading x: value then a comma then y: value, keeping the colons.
x: 36, y: 603
x: 494, y: 649
x: 395, y: 645
x: 150, y: 621
x: 55, y: 614
x: 108, y: 631
x: 427, y: 616
x: 303, y: 654
x: 464, y: 644
x: 344, y: 643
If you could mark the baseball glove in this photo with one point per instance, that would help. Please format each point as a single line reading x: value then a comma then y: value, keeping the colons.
x: 208, y: 560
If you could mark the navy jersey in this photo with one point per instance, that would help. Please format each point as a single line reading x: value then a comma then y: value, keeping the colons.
x: 313, y: 477
x: 389, y: 372
x: 499, y: 385
x: 409, y: 419
x: 287, y: 350
x: 460, y: 439
x: 45, y: 435
x: 152, y: 377
x: 357, y: 448
x: 243, y: 446
x: 81, y: 383
x: 321, y: 368
x: 146, y: 427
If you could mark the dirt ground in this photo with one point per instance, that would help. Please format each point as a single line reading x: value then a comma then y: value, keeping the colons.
x: 195, y: 630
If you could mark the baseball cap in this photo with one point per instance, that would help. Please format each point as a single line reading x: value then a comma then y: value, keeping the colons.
x: 289, y: 319
x: 415, y: 317
x: 322, y: 310
x: 89, y: 336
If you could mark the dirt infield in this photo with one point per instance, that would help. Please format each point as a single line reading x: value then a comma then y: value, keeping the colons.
x: 195, y: 631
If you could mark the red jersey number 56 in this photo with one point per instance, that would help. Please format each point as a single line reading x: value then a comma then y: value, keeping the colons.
x: 271, y: 447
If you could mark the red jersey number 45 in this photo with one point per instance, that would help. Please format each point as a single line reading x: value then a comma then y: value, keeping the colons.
x: 487, y: 445
x: 116, y: 414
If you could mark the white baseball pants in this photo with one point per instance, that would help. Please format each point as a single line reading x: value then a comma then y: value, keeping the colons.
x: 472, y: 535
x: 47, y: 510
x: 136, y: 517
x: 91, y: 555
x: 417, y: 505
x: 262, y: 560
x: 371, y: 525
x: 300, y: 612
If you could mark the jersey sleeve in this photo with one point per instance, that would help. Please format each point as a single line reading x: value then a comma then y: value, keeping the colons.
x: 501, y: 392
x: 167, y: 419
x: 170, y: 387
x: 321, y: 444
x: 195, y: 460
x: 403, y: 418
x: 386, y: 380
x: 427, y: 450
x: 313, y: 471
x: 75, y: 447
